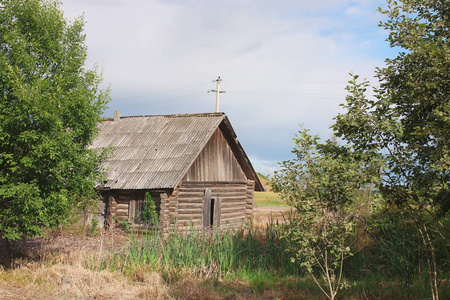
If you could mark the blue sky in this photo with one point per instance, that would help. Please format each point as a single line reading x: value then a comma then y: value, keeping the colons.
x: 283, y: 63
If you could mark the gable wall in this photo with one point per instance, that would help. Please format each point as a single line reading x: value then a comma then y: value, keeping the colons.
x: 216, y: 162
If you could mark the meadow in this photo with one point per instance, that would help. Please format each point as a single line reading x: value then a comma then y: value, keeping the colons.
x: 250, y: 262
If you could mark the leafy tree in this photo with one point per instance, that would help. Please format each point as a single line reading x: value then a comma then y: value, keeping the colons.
x: 322, y: 183
x: 49, y: 108
x: 408, y: 123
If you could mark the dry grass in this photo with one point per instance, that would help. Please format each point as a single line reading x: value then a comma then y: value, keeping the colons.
x: 71, y: 280
x: 73, y: 267
x: 265, y: 215
x: 66, y: 277
x: 190, y: 288
x: 67, y: 268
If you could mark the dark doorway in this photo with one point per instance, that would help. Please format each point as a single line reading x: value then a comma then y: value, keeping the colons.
x: 211, y: 210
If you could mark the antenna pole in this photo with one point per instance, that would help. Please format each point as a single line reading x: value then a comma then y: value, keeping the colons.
x: 217, y: 91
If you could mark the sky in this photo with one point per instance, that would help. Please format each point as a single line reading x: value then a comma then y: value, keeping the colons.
x: 282, y: 63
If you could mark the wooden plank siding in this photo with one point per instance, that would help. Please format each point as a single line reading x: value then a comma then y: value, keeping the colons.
x: 216, y: 162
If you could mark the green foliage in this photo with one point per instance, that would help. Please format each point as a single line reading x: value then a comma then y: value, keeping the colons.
x: 407, y: 126
x: 93, y: 230
x: 126, y: 225
x: 322, y: 183
x: 148, y: 214
x: 49, y: 108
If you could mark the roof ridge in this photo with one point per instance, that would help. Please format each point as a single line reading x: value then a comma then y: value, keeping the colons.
x: 214, y: 114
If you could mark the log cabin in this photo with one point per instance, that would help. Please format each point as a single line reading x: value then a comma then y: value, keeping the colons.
x: 192, y: 165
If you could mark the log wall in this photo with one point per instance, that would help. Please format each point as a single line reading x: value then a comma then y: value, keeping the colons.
x: 125, y: 205
x: 184, y: 206
x: 188, y: 205
x: 250, y: 203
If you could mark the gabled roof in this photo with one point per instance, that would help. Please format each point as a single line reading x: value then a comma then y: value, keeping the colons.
x: 155, y: 152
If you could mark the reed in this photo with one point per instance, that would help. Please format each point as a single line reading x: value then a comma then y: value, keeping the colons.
x: 209, y: 253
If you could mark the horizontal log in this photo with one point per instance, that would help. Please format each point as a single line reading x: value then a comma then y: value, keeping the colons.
x: 192, y: 207
x: 190, y: 200
x: 233, y: 214
x: 191, y: 194
x: 238, y: 205
x: 213, y: 189
x: 234, y: 221
x: 233, y: 199
x: 231, y: 210
x: 239, y: 212
x: 181, y: 222
x: 188, y: 218
x: 190, y: 211
x: 191, y: 190
x: 238, y: 199
x: 212, y: 183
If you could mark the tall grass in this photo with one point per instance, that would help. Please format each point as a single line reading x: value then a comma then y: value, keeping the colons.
x: 207, y: 253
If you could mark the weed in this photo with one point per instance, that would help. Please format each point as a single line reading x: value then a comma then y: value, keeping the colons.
x: 93, y: 230
x: 126, y: 226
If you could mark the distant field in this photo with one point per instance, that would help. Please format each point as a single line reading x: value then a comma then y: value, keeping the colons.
x: 268, y: 198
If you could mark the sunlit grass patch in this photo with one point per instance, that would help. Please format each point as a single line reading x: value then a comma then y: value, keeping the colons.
x: 269, y: 199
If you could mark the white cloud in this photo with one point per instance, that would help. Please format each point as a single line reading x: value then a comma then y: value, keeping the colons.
x: 283, y: 63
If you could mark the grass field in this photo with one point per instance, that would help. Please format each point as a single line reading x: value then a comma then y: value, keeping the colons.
x: 268, y: 198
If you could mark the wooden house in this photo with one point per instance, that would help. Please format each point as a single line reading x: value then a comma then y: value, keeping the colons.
x: 192, y: 165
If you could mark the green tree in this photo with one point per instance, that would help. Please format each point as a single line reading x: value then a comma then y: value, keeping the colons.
x: 49, y: 108
x: 408, y: 123
x: 323, y: 183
